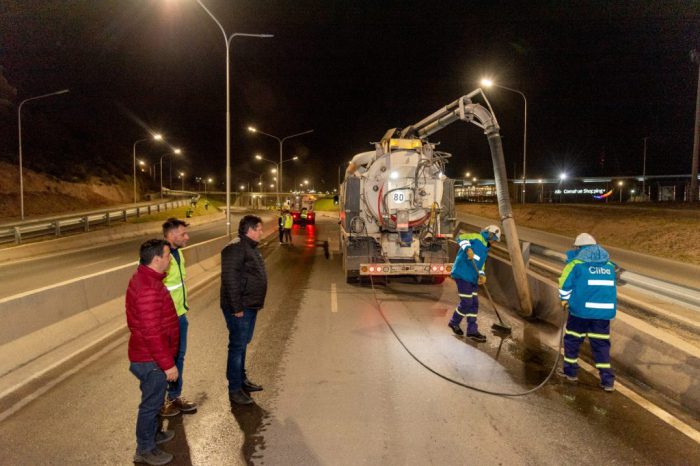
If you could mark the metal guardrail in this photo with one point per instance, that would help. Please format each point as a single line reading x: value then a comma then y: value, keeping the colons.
x: 55, y: 226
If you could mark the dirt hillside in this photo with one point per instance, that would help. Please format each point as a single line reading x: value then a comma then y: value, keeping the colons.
x: 672, y: 232
x: 44, y: 195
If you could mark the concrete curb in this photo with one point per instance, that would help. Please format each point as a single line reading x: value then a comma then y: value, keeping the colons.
x: 653, y: 356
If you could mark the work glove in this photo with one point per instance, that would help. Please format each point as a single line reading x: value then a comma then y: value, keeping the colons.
x: 482, y: 279
x: 470, y: 254
x: 564, y: 304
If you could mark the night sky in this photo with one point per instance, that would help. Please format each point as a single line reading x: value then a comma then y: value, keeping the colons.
x: 598, y: 76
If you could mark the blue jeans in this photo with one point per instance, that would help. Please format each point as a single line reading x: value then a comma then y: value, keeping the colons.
x: 153, y: 385
x: 240, y: 333
x: 468, y: 305
x: 175, y: 388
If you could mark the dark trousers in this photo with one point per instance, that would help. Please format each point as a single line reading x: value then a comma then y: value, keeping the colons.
x: 175, y: 388
x: 288, y: 235
x: 281, y: 235
x: 240, y: 333
x: 153, y: 385
x: 468, y: 305
x: 598, y: 333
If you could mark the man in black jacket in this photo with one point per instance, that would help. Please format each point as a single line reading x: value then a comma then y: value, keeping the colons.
x: 243, y: 290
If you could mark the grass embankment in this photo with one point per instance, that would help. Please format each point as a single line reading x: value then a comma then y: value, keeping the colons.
x: 672, y: 232
x: 181, y: 212
x: 326, y: 205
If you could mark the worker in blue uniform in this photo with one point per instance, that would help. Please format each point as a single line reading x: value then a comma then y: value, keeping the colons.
x: 468, y: 273
x: 587, y: 286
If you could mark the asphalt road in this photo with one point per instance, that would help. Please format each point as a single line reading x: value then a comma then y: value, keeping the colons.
x: 29, y: 274
x: 340, y: 389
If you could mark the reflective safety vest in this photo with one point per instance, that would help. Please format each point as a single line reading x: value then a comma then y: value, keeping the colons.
x: 588, y: 283
x: 288, y: 221
x: 463, y: 267
x: 174, y: 281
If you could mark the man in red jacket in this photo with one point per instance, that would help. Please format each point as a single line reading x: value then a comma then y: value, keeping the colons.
x: 153, y: 346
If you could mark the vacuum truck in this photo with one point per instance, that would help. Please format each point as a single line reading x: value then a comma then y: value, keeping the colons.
x: 397, y: 206
x: 397, y: 211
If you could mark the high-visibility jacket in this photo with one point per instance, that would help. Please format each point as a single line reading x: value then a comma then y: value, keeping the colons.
x: 588, y: 284
x: 175, y: 281
x: 288, y: 221
x: 463, y: 268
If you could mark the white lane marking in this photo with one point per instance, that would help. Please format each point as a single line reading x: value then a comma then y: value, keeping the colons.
x: 334, y: 298
x: 37, y: 393
x: 665, y: 416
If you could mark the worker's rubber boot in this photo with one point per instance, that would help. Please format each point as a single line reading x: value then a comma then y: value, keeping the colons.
x: 455, y: 328
x: 476, y: 336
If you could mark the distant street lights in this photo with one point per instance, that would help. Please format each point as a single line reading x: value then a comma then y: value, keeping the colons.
x: 182, y: 179
x: 19, y: 129
x: 227, y: 40
x: 490, y: 83
x: 176, y: 152
x: 620, y: 184
x: 154, y: 137
x: 280, y: 184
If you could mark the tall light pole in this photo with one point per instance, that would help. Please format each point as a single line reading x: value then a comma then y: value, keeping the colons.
x: 644, y: 169
x: 490, y: 83
x: 19, y: 138
x: 155, y: 137
x: 620, y: 184
x: 280, y: 184
x: 693, y: 195
x: 227, y: 41
x: 175, y: 151
x: 182, y: 179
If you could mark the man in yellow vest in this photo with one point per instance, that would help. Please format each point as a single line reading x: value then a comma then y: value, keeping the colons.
x: 175, y: 233
x: 288, y: 223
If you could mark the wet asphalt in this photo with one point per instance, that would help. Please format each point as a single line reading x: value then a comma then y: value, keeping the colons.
x: 341, y: 389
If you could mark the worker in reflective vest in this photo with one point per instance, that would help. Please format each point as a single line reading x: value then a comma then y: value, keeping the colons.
x: 587, y: 287
x: 175, y: 233
x: 468, y: 272
x: 288, y: 223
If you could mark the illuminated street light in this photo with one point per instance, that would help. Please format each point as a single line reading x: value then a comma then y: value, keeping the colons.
x: 182, y: 179
x: 620, y: 184
x: 227, y: 40
x: 19, y: 138
x: 174, y: 152
x: 154, y: 137
x: 280, y: 184
x: 562, y: 176
x: 468, y: 174
x: 489, y: 83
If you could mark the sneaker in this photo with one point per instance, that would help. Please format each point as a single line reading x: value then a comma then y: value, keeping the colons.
x: 249, y: 386
x: 240, y: 397
x: 607, y: 388
x: 564, y: 375
x: 456, y: 329
x: 155, y: 457
x: 183, y: 405
x: 477, y: 337
x: 169, y: 409
x: 163, y: 436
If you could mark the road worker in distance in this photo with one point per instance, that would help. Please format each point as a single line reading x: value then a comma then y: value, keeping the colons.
x: 472, y: 254
x: 587, y: 287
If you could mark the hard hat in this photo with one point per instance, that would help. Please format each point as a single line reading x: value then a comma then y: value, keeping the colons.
x: 493, y: 233
x: 584, y: 239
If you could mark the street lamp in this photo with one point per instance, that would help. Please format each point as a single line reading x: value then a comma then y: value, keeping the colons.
x: 19, y: 138
x: 489, y: 83
x: 280, y: 185
x: 620, y: 184
x: 468, y: 174
x: 206, y: 182
x: 154, y: 137
x: 541, y: 190
x: 182, y: 178
x: 227, y: 40
x: 176, y: 152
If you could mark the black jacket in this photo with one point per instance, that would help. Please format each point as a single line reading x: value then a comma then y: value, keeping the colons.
x: 243, y: 277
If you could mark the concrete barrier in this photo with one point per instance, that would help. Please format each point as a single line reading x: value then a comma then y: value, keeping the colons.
x: 36, y: 322
x: 651, y: 355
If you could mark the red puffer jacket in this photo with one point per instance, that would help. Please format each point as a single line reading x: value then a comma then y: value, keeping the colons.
x: 152, y: 320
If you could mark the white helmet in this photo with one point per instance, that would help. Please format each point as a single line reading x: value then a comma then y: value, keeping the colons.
x: 584, y: 239
x: 493, y: 233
